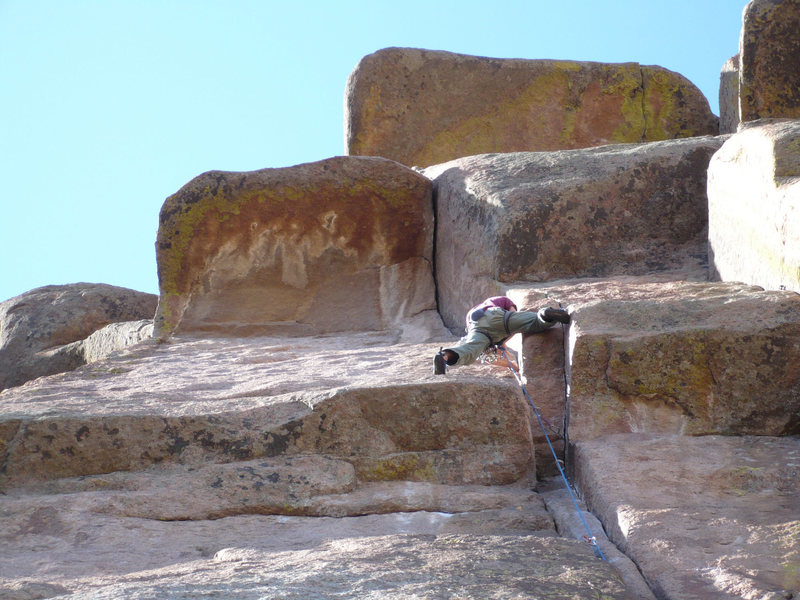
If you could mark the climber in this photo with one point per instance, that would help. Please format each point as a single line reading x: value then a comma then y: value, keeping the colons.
x: 491, y: 323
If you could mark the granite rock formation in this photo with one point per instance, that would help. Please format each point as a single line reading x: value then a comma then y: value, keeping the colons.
x: 336, y: 245
x: 423, y: 107
x: 626, y: 209
x: 42, y: 331
x: 203, y: 455
x: 284, y: 436
x: 288, y: 398
x: 645, y: 355
x: 769, y: 50
x: 754, y: 206
x: 712, y: 517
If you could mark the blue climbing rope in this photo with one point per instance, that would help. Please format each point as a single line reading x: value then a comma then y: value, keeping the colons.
x: 590, y: 538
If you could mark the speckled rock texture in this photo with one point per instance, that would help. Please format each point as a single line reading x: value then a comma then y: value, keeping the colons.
x: 677, y: 357
x: 398, y: 556
x: 343, y: 244
x: 627, y: 209
x: 424, y: 107
x: 705, y: 518
x: 359, y: 399
x: 114, y: 337
x: 729, y: 96
x: 754, y: 206
x: 769, y: 48
x: 275, y: 468
x: 42, y: 330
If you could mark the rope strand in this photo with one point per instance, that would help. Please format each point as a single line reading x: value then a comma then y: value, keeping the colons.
x: 590, y: 538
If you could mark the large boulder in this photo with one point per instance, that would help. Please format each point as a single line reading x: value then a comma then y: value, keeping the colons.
x: 336, y: 245
x: 754, y: 206
x: 423, y: 107
x: 676, y: 357
x: 704, y: 518
x: 770, y: 60
x: 39, y: 329
x: 616, y: 210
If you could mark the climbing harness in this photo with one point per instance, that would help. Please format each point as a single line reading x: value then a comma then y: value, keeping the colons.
x: 589, y: 538
x: 489, y: 355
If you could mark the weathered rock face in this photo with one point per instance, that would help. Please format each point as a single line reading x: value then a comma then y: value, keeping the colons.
x: 729, y: 96
x: 753, y: 200
x: 116, y: 336
x: 143, y: 478
x: 625, y: 209
x: 704, y: 518
x: 254, y: 556
x: 340, y: 244
x: 770, y: 60
x: 377, y: 407
x: 678, y: 357
x: 37, y: 327
x: 423, y: 107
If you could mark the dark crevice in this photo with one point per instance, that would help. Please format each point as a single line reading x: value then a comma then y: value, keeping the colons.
x: 434, y: 206
x: 565, y: 422
x: 644, y: 104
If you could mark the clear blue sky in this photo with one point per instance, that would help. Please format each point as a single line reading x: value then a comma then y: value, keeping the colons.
x: 109, y: 106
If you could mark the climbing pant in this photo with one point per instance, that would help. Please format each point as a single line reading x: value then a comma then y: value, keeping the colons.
x: 490, y: 328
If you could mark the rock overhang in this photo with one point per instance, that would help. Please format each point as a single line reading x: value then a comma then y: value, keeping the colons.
x: 343, y: 244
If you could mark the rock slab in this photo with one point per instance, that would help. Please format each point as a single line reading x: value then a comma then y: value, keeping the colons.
x: 424, y: 107
x: 704, y: 517
x: 199, y: 518
x: 677, y: 357
x: 57, y: 546
x: 343, y: 244
x: 754, y: 206
x: 625, y: 209
x: 42, y: 330
x: 191, y: 401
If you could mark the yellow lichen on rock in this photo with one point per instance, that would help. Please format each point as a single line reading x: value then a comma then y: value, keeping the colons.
x: 422, y: 107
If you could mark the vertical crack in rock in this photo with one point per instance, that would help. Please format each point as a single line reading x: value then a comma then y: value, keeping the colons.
x: 434, y: 271
x: 567, y: 371
x: 644, y: 104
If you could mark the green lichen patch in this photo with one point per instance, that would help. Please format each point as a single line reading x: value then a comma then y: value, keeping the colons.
x: 400, y: 467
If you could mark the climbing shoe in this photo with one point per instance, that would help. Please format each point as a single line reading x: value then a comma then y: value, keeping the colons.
x: 555, y: 314
x: 438, y: 363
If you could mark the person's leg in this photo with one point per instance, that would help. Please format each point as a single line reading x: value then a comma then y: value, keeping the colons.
x: 524, y: 321
x: 493, y: 323
x: 468, y: 349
